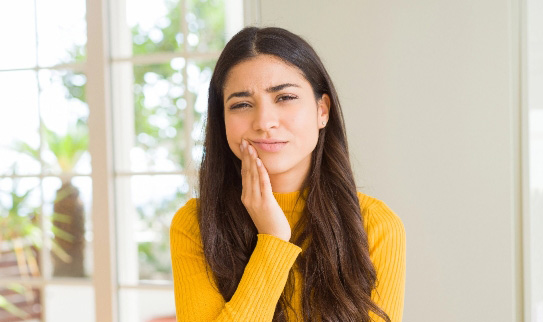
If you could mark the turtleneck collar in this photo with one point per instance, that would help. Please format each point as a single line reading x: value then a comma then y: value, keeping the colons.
x: 291, y: 208
x: 287, y: 201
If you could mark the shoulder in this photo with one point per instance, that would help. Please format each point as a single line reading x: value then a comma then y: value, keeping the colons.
x: 185, y: 218
x: 378, y: 217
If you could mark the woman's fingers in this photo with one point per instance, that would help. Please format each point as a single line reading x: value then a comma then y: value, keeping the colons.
x: 255, y: 176
x: 245, y: 168
x: 265, y: 184
x: 250, y: 177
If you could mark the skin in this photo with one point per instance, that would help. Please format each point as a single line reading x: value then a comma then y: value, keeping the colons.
x: 263, y: 110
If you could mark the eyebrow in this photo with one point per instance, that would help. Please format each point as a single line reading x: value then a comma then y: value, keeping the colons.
x: 272, y: 89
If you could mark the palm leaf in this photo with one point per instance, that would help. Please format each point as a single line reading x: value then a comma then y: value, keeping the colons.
x: 68, y: 148
x: 62, y: 234
x: 57, y: 250
x: 6, y: 305
x: 56, y: 217
x: 25, y: 148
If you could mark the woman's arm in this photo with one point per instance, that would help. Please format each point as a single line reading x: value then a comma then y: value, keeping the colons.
x: 197, y: 298
x: 386, y: 238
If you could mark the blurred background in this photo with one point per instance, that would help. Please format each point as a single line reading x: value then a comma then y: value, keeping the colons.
x: 102, y: 107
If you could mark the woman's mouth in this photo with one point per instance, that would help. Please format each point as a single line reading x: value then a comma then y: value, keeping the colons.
x: 271, y: 146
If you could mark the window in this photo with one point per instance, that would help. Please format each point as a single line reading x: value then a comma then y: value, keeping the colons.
x: 161, y: 68
x: 46, y: 230
x: 100, y: 140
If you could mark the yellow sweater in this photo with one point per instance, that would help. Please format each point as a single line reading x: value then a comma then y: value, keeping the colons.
x: 266, y: 273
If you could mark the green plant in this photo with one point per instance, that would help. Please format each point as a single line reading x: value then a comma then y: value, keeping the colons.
x: 154, y: 255
x: 68, y: 219
x: 68, y: 148
x: 20, y: 232
x: 10, y: 307
x: 18, y: 223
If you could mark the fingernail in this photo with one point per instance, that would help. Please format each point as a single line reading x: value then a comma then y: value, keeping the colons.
x: 250, y: 150
x: 244, y: 143
x: 258, y: 162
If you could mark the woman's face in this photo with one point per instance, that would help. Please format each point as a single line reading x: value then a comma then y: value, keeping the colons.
x: 271, y: 105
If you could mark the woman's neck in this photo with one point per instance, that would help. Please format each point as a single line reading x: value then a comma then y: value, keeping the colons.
x: 292, y: 179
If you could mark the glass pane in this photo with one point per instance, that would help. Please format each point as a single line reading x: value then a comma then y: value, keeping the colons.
x: 155, y: 143
x: 17, y: 28
x: 205, y: 22
x: 64, y: 112
x: 147, y: 305
x: 66, y: 303
x: 199, y: 75
x: 20, y: 303
x: 62, y: 37
x: 67, y: 210
x: 155, y: 26
x: 146, y: 205
x: 20, y: 233
x: 19, y: 123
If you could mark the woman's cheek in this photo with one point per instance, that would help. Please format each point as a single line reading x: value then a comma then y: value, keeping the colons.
x: 232, y: 138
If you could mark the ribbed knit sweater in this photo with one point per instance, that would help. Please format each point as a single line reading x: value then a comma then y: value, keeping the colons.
x: 266, y: 273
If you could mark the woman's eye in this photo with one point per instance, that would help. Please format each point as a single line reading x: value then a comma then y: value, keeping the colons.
x: 286, y: 97
x: 239, y: 106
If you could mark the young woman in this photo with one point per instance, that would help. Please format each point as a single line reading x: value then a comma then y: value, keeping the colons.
x: 279, y: 231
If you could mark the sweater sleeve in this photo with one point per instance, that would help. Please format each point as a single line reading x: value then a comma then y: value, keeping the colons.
x: 197, y: 297
x: 386, y: 237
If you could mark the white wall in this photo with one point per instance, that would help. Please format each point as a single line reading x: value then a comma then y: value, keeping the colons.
x: 534, y: 100
x: 430, y: 94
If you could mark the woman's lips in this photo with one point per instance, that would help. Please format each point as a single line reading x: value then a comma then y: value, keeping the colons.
x: 270, y: 147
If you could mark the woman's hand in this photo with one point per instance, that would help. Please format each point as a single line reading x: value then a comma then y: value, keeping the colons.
x: 258, y: 198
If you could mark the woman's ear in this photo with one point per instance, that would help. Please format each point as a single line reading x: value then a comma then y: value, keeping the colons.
x: 323, y: 110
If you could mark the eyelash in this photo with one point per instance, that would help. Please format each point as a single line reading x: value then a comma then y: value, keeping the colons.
x: 242, y: 105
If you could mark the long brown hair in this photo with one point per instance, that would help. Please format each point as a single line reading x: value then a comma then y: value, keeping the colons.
x: 338, y: 275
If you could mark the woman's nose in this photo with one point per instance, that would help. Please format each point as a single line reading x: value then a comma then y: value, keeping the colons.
x: 265, y: 117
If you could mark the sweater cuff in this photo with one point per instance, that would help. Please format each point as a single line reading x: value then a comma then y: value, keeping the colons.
x: 265, y: 276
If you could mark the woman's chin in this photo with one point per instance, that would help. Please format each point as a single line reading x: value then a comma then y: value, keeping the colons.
x: 273, y: 168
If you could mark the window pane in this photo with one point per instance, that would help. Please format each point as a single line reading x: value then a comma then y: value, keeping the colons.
x: 154, y: 26
x: 20, y: 303
x: 18, y: 29
x: 20, y: 232
x: 147, y: 305
x: 67, y: 210
x: 199, y: 75
x: 205, y: 22
x: 62, y: 31
x: 155, y: 141
x: 64, y: 112
x: 67, y: 303
x: 19, y: 123
x: 146, y: 205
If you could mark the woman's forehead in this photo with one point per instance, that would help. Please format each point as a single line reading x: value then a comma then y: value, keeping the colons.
x: 262, y: 72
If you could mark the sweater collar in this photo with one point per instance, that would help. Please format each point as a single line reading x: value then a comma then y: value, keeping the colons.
x: 287, y: 201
